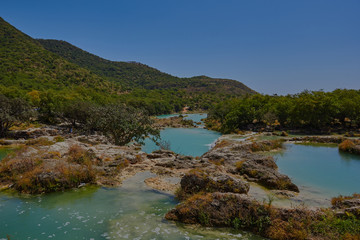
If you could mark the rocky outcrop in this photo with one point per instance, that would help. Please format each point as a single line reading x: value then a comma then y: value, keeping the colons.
x: 169, y: 159
x: 240, y: 211
x: 199, y: 181
x: 35, y: 132
x: 347, y: 205
x: 238, y: 158
x: 263, y: 170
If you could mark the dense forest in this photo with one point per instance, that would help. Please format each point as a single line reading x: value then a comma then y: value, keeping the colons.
x: 312, y: 111
x: 50, y: 74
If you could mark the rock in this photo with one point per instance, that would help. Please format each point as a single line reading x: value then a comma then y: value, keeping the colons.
x: 347, y: 203
x: 255, y: 167
x: 266, y: 176
x: 283, y: 193
x: 200, y: 181
x: 161, y: 154
x: 284, y: 134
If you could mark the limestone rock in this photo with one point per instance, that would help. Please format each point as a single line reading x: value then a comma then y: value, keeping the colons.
x: 199, y: 181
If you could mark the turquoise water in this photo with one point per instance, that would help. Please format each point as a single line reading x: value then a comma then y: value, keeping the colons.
x: 186, y: 141
x: 322, y: 167
x: 168, y: 115
x: 132, y: 211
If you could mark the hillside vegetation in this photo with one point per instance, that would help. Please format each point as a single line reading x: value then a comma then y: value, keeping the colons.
x: 25, y: 66
x: 51, y: 74
x: 137, y: 75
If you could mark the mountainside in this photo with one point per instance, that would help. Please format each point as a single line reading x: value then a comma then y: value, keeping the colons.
x: 52, y: 72
x: 133, y: 74
x: 26, y: 65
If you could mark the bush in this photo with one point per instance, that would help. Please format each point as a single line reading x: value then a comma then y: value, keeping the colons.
x: 59, y: 139
x: 79, y: 155
x: 349, y: 146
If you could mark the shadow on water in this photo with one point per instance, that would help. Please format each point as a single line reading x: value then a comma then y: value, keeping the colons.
x: 349, y: 157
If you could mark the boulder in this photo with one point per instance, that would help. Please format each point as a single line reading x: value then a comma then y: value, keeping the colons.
x: 265, y: 174
x: 200, y: 181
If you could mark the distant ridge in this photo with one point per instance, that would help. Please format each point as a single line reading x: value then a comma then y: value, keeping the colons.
x: 134, y: 74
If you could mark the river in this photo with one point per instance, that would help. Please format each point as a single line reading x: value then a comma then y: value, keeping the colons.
x: 132, y: 211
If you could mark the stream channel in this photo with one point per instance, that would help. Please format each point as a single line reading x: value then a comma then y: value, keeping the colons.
x: 134, y: 211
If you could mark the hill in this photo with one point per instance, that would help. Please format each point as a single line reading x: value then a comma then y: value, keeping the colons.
x: 138, y: 75
x: 25, y: 66
x: 54, y: 73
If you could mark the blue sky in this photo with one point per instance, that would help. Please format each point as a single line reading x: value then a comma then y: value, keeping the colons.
x: 273, y: 46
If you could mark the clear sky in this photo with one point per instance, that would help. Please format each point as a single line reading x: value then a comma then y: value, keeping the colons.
x: 273, y: 46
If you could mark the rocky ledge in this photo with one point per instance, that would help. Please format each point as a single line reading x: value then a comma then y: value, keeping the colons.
x: 240, y: 211
x: 241, y: 158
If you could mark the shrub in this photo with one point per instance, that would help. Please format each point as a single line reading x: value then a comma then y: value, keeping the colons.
x: 59, y: 139
x: 349, y: 146
x: 61, y: 177
x: 266, y: 145
x: 337, y: 201
x: 239, y: 164
x: 79, y: 155
x: 13, y: 112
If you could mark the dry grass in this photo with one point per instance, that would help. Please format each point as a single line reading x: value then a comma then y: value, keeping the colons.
x: 349, y: 146
x: 41, y: 141
x: 265, y: 220
x: 47, y: 171
x: 77, y: 154
x: 239, y: 164
x: 59, y: 139
x: 222, y: 144
x: 218, y: 162
x: 266, y: 145
x: 337, y: 201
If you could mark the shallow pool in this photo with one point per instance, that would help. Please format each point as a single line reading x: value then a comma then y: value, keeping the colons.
x: 322, y: 168
x: 132, y: 211
x: 186, y: 141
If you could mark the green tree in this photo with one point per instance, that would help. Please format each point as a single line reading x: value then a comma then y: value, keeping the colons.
x: 123, y: 124
x: 12, y: 112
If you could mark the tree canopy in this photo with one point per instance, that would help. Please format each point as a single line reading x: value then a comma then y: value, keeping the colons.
x: 308, y: 110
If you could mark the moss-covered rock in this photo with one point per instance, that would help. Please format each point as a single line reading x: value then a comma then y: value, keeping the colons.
x: 200, y: 181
